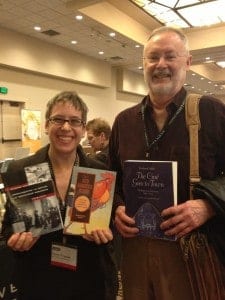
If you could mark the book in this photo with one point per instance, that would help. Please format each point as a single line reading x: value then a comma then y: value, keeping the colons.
x: 149, y: 187
x: 90, y: 203
x: 32, y: 202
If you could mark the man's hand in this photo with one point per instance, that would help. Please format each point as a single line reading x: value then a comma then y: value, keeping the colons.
x: 22, y: 241
x: 185, y: 217
x: 124, y: 224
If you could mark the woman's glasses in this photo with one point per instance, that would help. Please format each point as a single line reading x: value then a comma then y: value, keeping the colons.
x: 73, y: 122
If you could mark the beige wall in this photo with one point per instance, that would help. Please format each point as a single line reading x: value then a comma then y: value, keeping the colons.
x: 105, y: 92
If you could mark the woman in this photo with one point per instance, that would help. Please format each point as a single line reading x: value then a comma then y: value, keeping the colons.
x: 95, y: 274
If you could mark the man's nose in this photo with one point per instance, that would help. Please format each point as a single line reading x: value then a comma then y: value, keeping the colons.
x: 162, y: 60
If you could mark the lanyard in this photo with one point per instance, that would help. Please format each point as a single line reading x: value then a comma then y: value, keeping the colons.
x: 162, y: 132
x: 62, y: 206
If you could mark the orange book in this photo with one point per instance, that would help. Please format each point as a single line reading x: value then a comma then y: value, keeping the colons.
x: 91, y: 197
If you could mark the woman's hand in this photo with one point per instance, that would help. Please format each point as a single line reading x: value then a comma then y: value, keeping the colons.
x: 22, y: 241
x: 99, y: 236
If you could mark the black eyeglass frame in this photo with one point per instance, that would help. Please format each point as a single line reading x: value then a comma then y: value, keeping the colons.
x: 73, y: 122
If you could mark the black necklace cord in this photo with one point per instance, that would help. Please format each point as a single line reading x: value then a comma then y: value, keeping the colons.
x: 61, y: 202
x: 162, y: 132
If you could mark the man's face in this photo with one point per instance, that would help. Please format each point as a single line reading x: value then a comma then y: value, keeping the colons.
x: 165, y: 62
x: 94, y: 141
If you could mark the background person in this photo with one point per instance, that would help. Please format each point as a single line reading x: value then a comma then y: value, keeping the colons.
x: 95, y: 276
x: 98, y: 133
x: 155, y: 129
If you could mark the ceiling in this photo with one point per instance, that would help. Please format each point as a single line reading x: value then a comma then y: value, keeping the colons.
x: 131, y: 25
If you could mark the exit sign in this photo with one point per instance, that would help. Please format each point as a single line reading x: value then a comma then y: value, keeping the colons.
x: 3, y: 90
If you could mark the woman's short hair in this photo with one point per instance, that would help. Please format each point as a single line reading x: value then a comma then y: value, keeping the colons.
x: 64, y: 97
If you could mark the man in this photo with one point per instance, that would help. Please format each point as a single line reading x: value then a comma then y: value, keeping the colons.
x: 155, y: 129
x: 98, y: 133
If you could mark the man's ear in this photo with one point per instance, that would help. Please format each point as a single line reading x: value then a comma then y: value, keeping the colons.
x: 189, y: 61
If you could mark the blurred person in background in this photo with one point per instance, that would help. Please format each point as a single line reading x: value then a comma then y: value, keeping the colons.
x: 98, y: 134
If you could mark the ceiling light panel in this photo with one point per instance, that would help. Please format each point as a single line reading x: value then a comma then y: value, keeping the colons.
x: 182, y: 3
x: 185, y: 13
x: 204, y: 14
x: 164, y: 14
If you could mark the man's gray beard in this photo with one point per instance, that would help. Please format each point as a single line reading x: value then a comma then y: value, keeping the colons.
x: 162, y: 90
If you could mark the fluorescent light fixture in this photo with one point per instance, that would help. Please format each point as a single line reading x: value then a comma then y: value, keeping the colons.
x: 185, y: 13
x: 221, y: 64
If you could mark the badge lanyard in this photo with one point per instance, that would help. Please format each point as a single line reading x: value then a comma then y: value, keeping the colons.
x: 162, y: 132
x: 76, y: 163
x: 61, y: 204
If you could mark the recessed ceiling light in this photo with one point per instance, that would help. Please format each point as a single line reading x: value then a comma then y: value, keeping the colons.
x: 37, y: 28
x: 79, y: 17
x: 73, y: 42
x: 112, y: 34
x: 137, y: 46
x: 101, y: 52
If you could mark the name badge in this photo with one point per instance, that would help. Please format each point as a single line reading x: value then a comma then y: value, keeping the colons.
x: 64, y: 256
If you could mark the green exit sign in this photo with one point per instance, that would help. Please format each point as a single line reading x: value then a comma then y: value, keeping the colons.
x: 3, y: 90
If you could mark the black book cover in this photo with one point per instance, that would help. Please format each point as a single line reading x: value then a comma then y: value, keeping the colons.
x: 31, y: 200
x: 149, y: 187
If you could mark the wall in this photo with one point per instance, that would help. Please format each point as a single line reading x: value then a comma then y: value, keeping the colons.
x: 35, y: 84
x: 35, y: 90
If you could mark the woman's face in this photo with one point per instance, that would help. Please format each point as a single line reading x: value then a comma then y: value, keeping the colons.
x: 64, y: 136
